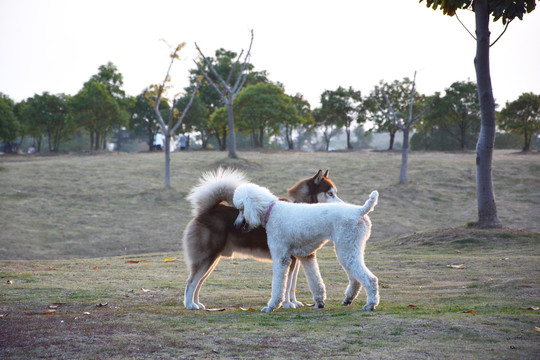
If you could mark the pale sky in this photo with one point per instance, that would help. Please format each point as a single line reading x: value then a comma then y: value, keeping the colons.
x: 309, y: 46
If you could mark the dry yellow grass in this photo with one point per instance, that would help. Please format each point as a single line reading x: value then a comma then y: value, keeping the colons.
x: 88, y: 206
x: 92, y: 215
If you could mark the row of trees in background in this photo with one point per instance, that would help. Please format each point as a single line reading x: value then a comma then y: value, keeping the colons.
x: 262, y: 112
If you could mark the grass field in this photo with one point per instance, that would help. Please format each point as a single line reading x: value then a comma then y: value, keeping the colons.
x: 73, y: 230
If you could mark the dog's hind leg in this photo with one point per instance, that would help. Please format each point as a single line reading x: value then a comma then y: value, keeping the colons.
x: 198, y: 275
x: 354, y: 265
x: 315, y: 281
x: 290, y: 301
x: 352, y: 291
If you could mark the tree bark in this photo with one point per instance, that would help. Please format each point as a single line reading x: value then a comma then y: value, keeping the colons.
x: 392, y: 135
x: 232, y: 133
x: 167, y: 160
x: 348, y: 132
x: 527, y: 144
x: 487, y: 208
x: 404, y: 156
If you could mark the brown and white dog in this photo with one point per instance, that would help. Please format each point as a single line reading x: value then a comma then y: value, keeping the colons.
x: 211, y: 234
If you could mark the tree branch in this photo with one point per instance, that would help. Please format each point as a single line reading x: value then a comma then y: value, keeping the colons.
x: 394, y: 117
x: 236, y: 87
x: 462, y: 24
x: 156, y: 108
x: 210, y: 80
x: 234, y: 66
x: 506, y: 27
x: 184, y: 112
x: 410, y: 120
x: 225, y: 85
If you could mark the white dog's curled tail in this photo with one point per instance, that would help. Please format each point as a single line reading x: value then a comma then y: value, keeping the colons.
x: 370, y: 203
x: 214, y: 187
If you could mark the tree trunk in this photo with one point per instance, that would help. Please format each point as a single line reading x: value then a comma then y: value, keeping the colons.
x: 150, y: 141
x: 348, y: 132
x: 487, y: 209
x: 392, y: 135
x: 527, y: 144
x: 404, y: 157
x: 288, y: 137
x: 463, y: 141
x: 232, y: 135
x: 167, y: 160
x: 261, y: 137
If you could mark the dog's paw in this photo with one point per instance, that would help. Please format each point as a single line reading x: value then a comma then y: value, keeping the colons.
x: 288, y: 305
x: 319, y: 305
x: 346, y: 302
x: 368, y: 307
x: 298, y: 304
x: 201, y: 306
x: 192, y: 306
x: 267, y: 310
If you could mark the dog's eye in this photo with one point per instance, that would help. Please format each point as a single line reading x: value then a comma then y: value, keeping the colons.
x: 331, y: 194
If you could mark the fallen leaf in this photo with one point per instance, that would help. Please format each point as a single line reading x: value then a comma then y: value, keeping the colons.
x: 86, y: 313
x: 3, y: 315
x: 505, y: 259
x: 9, y: 282
x: 212, y: 310
x: 169, y: 259
x: 412, y: 306
x: 248, y: 309
x: 461, y: 266
x: 533, y: 308
x: 458, y: 252
x: 469, y: 312
x: 49, y: 312
x: 102, y: 305
x: 536, y: 328
x: 134, y: 261
x: 53, y: 306
x: 146, y: 290
x: 96, y: 268
x: 59, y: 303
x: 310, y: 305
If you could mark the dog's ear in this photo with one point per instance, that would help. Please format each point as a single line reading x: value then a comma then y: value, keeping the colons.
x: 326, y: 173
x: 317, y: 178
x: 252, y: 212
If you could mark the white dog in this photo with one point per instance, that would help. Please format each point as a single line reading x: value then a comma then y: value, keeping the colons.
x: 301, y: 229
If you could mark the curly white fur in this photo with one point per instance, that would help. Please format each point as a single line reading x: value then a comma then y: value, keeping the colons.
x: 301, y: 229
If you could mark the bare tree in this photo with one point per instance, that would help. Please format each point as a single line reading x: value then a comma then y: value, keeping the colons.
x: 228, y: 89
x: 405, y: 126
x: 171, y: 126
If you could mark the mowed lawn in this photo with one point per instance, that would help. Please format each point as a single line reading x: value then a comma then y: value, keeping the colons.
x: 83, y: 241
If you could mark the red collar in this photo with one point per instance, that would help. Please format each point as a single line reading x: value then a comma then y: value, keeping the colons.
x: 267, y: 216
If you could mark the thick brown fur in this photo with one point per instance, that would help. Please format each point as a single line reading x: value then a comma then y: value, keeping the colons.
x: 211, y: 235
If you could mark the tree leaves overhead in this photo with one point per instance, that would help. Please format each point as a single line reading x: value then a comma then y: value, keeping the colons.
x: 508, y: 10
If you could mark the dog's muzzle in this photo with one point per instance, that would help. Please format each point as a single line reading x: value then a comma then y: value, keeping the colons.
x: 241, y: 224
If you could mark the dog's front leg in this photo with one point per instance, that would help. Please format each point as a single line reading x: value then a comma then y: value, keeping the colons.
x: 315, y: 281
x: 280, y: 268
